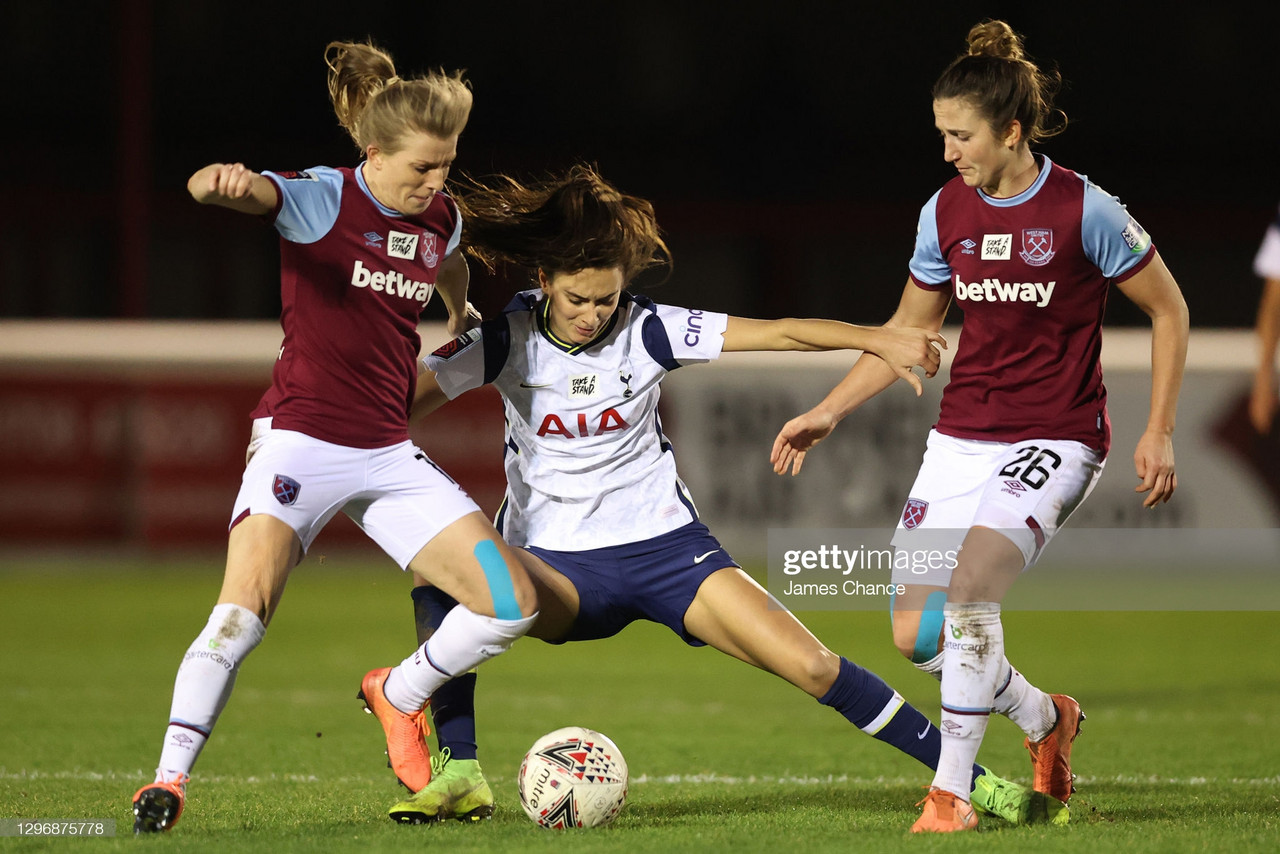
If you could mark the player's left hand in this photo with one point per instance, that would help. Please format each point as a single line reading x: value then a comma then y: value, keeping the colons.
x: 1154, y: 463
x: 797, y: 436
x: 906, y: 347
x: 469, y: 318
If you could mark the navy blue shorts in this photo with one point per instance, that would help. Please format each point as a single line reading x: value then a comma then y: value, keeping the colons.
x: 654, y: 580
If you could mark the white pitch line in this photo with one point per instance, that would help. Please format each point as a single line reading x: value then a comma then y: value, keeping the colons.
x: 709, y: 779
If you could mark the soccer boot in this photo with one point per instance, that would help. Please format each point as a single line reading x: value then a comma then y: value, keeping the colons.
x: 1051, y: 755
x: 944, y: 813
x: 1002, y: 798
x: 156, y: 806
x: 407, y: 751
x: 457, y: 790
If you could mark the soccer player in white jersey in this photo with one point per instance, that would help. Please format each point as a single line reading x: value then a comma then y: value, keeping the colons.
x: 362, y: 250
x: 1264, y: 401
x: 1028, y: 250
x: 593, y: 496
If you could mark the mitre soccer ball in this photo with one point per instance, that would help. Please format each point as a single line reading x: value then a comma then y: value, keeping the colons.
x: 573, y: 777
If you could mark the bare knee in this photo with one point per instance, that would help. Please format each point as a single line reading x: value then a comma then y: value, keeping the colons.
x: 469, y: 561
x: 816, y: 671
x: 261, y: 551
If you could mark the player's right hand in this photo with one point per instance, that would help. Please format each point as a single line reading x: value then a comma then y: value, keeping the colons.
x: 222, y: 182
x: 796, y: 438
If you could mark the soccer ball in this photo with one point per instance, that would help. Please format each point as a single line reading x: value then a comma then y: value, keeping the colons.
x: 573, y: 777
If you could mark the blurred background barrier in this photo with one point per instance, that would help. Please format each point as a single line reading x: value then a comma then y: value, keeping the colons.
x: 132, y: 434
x: 723, y: 419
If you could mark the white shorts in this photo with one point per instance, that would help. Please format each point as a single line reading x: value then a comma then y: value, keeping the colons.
x: 397, y: 495
x: 1025, y: 490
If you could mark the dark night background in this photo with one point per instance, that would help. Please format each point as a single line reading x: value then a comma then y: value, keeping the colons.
x: 787, y: 146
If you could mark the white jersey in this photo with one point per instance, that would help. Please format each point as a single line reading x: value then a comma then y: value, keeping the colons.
x: 1267, y: 262
x: 587, y: 463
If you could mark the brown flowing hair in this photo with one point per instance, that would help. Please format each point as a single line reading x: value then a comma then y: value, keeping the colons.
x: 560, y: 224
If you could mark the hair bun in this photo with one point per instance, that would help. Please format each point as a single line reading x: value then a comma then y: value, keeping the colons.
x: 995, y: 39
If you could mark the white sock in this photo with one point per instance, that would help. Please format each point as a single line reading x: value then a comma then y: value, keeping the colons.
x: 464, y: 640
x: 1023, y: 703
x: 974, y: 651
x: 1016, y: 698
x: 203, y: 685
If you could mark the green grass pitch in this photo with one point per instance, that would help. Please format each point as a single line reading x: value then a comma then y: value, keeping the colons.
x: 1179, y: 752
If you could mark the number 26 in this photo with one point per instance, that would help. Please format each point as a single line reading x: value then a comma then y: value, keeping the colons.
x: 1033, y: 473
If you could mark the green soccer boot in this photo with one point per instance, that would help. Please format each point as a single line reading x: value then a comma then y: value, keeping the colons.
x: 1015, y: 803
x: 457, y: 790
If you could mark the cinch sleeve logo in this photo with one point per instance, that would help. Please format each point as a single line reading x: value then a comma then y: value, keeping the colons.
x: 693, y: 328
x: 994, y: 290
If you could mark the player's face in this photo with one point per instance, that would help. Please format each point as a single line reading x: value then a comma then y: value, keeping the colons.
x: 982, y: 159
x: 581, y: 303
x: 408, y: 179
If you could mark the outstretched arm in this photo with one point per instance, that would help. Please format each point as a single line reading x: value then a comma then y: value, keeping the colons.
x: 869, y: 376
x: 1155, y: 292
x: 900, y: 348
x: 235, y: 186
x: 1264, y: 401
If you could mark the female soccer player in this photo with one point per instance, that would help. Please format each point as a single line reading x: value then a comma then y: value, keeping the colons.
x: 1264, y: 401
x: 1027, y: 249
x: 610, y: 533
x: 362, y: 250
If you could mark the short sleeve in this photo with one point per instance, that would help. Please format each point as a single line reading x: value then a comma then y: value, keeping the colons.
x: 683, y: 336
x: 1113, y: 240
x: 309, y: 202
x: 927, y: 266
x: 459, y: 364
x: 1267, y: 262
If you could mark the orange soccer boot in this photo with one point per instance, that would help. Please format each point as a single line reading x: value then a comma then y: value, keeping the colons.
x: 407, y: 751
x: 1051, y: 755
x: 156, y: 806
x: 944, y: 813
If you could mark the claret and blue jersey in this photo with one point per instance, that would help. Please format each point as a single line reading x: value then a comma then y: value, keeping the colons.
x: 1031, y: 274
x: 355, y: 278
x: 587, y: 463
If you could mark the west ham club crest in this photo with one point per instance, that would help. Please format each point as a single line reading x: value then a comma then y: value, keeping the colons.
x: 1037, y: 246
x: 913, y: 513
x: 285, y: 489
x: 429, y: 254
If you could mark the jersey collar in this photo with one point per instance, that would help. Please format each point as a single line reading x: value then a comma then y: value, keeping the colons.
x: 364, y: 188
x: 1045, y: 164
x: 541, y: 310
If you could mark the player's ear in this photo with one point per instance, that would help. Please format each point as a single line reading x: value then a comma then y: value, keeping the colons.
x: 544, y: 281
x: 1013, y: 135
